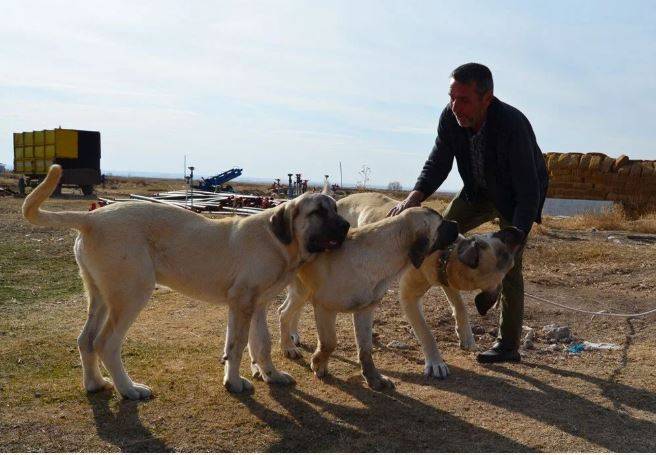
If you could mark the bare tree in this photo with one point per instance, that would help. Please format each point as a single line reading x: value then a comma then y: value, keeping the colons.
x: 394, y: 186
x: 365, y: 172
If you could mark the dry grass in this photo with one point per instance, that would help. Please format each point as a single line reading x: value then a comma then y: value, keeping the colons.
x: 550, y: 402
x: 613, y: 218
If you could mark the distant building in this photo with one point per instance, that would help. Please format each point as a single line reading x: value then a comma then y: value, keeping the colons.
x: 3, y: 168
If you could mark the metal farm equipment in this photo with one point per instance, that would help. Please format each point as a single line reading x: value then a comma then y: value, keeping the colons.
x: 217, y: 182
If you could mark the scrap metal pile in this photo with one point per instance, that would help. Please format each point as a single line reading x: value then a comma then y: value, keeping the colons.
x: 207, y: 202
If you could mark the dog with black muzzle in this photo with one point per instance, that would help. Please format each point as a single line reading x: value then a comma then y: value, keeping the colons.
x: 123, y: 250
x: 479, y: 262
x: 355, y: 277
x: 476, y: 263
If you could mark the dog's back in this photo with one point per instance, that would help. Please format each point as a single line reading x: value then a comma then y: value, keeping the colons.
x: 364, y: 208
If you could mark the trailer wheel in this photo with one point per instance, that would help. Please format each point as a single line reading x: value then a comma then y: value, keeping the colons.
x: 58, y: 190
x: 87, y: 190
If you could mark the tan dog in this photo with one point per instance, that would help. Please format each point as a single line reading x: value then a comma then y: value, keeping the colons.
x: 470, y: 264
x: 124, y: 249
x: 355, y: 278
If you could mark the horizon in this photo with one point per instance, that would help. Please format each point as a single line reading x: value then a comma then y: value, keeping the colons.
x: 247, y: 84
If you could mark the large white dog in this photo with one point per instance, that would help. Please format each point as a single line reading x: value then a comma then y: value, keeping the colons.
x: 124, y: 249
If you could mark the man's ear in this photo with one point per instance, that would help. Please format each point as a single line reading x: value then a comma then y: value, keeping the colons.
x: 468, y: 253
x: 419, y: 250
x: 281, y: 222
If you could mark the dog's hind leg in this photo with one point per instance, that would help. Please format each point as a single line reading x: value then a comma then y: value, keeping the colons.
x: 124, y: 301
x: 412, y: 288
x: 463, y: 329
x: 92, y: 378
x: 363, y: 322
x: 259, y: 347
x: 290, y: 313
x: 325, y: 320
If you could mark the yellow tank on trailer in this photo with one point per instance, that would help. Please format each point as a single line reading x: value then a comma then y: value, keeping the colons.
x: 77, y: 151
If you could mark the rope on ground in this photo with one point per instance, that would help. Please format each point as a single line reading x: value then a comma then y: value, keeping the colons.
x: 594, y: 313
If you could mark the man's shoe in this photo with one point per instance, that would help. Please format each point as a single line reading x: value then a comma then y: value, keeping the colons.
x: 498, y: 354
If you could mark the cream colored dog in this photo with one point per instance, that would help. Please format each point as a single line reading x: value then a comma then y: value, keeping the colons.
x: 480, y: 262
x: 124, y: 249
x: 355, y: 278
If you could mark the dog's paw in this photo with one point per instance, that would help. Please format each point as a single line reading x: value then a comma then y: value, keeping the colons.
x: 379, y: 382
x: 291, y: 352
x: 469, y: 344
x: 279, y: 377
x: 93, y: 386
x: 436, y: 370
x: 296, y: 338
x: 241, y: 385
x: 137, y: 392
x: 255, y: 371
x: 320, y: 368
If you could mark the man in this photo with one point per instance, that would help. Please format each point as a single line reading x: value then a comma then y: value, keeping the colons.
x: 504, y: 176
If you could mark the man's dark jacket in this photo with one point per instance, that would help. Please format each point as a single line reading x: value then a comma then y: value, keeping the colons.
x: 515, y: 171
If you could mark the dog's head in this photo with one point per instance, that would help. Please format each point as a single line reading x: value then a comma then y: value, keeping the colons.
x: 312, y: 220
x: 493, y: 251
x: 484, y: 260
x: 431, y: 233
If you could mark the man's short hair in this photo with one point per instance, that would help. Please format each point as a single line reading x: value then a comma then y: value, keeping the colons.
x: 474, y: 72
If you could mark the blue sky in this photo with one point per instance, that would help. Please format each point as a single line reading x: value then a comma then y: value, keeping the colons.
x: 284, y: 86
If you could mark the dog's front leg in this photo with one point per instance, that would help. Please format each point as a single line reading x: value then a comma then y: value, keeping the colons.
x: 325, y: 320
x: 259, y: 347
x: 363, y: 321
x: 411, y: 289
x: 239, y: 318
x: 463, y: 329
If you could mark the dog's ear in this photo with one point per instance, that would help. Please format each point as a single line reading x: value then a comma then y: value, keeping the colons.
x: 419, y: 250
x: 281, y: 222
x: 511, y: 236
x: 468, y: 253
x: 486, y: 300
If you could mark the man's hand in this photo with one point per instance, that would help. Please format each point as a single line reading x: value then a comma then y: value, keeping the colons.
x: 413, y: 200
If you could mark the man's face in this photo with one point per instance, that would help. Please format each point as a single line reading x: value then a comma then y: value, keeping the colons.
x: 467, y: 105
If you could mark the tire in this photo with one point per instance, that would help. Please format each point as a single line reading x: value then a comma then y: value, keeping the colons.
x: 87, y: 190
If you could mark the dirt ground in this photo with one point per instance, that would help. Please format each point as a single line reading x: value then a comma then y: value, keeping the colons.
x: 552, y: 401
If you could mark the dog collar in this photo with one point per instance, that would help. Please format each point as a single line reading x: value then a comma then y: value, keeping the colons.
x: 442, y: 263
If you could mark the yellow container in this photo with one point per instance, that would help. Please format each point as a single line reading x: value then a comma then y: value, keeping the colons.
x: 28, y: 138
x: 39, y: 166
x: 50, y: 137
x: 18, y: 153
x: 18, y: 139
x: 50, y: 149
x: 65, y: 143
x: 39, y: 151
x: 28, y: 152
x: 18, y: 166
x: 39, y: 137
x: 27, y: 166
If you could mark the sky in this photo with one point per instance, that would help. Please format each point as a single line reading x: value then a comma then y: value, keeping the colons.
x: 300, y: 86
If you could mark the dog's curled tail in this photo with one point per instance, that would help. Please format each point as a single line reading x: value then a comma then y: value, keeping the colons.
x: 33, y: 213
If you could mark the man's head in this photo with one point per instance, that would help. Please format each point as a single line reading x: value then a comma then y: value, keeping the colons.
x: 471, y: 92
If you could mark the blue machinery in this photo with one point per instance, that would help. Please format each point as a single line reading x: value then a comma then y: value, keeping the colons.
x: 216, y: 182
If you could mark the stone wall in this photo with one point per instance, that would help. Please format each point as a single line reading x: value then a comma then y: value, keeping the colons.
x: 595, y: 176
